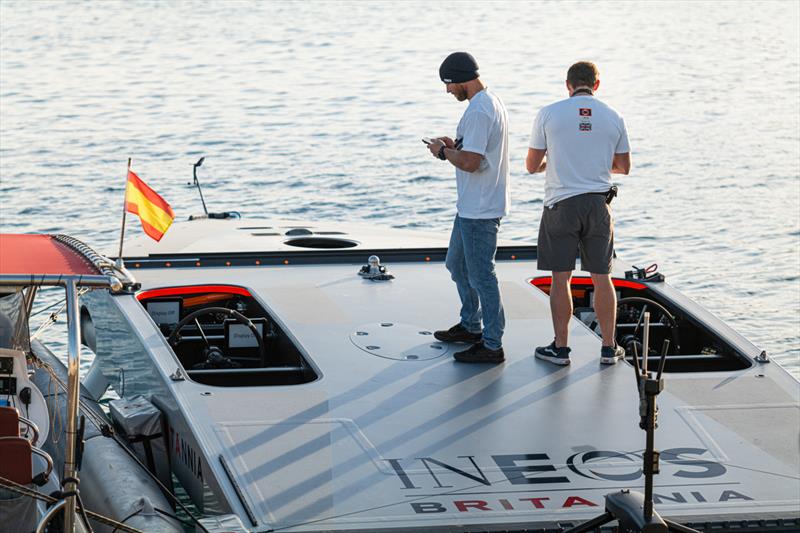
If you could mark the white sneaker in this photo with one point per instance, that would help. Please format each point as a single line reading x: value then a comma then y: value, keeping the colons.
x: 610, y: 355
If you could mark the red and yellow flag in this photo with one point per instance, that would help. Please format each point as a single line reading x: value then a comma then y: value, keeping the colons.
x: 154, y: 212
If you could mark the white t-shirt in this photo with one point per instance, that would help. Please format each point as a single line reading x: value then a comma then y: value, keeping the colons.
x: 483, y: 129
x: 581, y: 135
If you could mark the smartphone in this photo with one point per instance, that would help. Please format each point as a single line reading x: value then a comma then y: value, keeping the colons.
x: 427, y: 140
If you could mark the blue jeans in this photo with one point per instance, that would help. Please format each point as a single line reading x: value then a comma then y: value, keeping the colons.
x: 470, y: 260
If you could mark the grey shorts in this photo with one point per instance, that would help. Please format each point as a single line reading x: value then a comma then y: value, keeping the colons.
x: 580, y: 223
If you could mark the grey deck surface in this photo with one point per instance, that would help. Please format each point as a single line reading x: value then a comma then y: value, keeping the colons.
x: 380, y: 442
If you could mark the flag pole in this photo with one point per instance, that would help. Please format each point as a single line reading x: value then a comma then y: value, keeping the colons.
x: 119, y: 262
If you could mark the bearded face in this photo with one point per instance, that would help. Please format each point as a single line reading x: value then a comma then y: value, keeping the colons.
x: 458, y: 90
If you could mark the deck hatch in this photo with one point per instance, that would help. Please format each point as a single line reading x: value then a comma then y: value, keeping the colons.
x: 323, y: 243
x: 774, y: 429
x: 285, y: 481
x: 402, y: 342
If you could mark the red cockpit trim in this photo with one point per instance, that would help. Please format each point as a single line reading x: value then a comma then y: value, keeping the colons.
x: 193, y: 289
x: 546, y: 281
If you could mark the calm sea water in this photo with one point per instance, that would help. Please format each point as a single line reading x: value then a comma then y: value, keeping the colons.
x: 315, y: 110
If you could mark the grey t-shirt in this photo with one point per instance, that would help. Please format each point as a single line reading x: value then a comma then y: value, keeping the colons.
x: 483, y: 129
x: 581, y: 135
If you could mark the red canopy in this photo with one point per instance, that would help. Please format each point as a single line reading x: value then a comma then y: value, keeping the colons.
x: 41, y: 254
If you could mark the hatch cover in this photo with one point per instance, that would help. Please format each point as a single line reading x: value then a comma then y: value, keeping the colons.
x: 403, y: 342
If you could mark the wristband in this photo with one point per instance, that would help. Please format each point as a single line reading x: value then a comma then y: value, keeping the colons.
x: 441, y: 155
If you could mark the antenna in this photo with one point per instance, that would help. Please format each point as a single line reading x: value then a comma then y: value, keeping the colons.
x: 196, y: 182
x: 632, y: 510
x: 207, y: 215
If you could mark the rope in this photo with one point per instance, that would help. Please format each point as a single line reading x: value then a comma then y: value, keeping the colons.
x: 52, y: 392
x: 126, y: 519
x: 43, y: 309
x: 53, y: 318
x: 84, y: 513
x: 25, y: 491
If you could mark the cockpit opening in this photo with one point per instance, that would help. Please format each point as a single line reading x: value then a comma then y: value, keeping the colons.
x: 224, y: 337
x: 689, y: 344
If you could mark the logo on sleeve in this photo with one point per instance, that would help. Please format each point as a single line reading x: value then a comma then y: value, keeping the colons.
x: 585, y: 111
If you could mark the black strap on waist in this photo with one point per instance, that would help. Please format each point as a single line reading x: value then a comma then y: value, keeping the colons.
x: 609, y: 195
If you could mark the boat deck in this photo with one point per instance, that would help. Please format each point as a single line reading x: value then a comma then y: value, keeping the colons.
x: 382, y: 440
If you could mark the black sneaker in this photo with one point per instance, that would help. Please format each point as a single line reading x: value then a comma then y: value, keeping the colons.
x: 457, y: 333
x: 478, y: 353
x: 559, y: 356
x: 610, y: 355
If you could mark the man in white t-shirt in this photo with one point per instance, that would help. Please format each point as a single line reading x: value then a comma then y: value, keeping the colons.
x: 585, y: 141
x: 480, y: 156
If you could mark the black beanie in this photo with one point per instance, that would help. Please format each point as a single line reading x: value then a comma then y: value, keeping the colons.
x: 458, y: 67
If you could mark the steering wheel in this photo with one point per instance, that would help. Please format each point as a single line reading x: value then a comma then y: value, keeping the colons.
x: 174, y: 338
x: 663, y: 316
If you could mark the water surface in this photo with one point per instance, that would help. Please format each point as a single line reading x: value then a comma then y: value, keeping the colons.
x: 315, y: 110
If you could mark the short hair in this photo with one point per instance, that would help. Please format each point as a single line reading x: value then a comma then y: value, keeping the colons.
x: 582, y: 73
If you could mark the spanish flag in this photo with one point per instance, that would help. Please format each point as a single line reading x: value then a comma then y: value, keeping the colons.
x: 154, y: 212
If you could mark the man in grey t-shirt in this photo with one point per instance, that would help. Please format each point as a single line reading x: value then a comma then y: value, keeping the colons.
x: 480, y: 156
x: 585, y: 141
